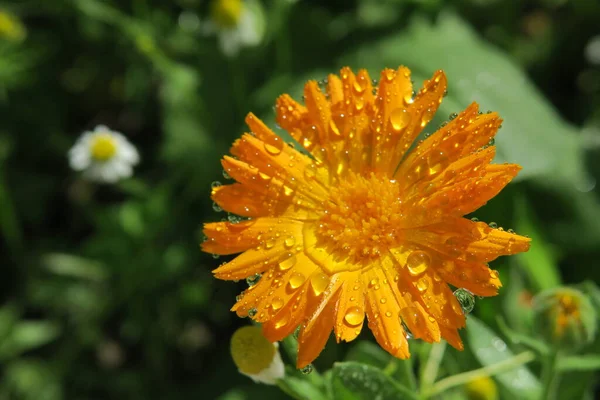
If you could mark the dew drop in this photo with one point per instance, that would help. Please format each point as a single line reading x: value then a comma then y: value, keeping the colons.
x: 383, y: 300
x: 400, y: 119
x: 215, y: 256
x: 492, y: 142
x: 253, y: 280
x: 307, y: 370
x: 373, y: 282
x: 226, y: 175
x: 273, y: 149
x: 388, y: 314
x: 215, y: 184
x: 269, y: 243
x: 288, y: 263
x: 283, y: 319
x: 493, y: 225
x: 465, y: 299
x: 417, y: 262
x: 296, y: 280
x: 422, y: 284
x: 252, y: 312
x: 277, y: 303
x: 354, y: 316
x: 289, y: 242
x: 452, y: 116
x: 216, y: 207
x: 319, y: 283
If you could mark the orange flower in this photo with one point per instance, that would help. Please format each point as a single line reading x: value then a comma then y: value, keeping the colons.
x: 361, y: 225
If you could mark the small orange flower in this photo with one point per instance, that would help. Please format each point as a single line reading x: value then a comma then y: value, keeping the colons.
x: 361, y: 225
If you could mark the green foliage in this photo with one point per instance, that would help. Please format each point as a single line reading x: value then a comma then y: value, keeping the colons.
x: 105, y: 293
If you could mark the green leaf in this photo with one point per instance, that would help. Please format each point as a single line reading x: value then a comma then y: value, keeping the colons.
x: 477, y: 71
x: 27, y: 336
x: 302, y: 387
x: 490, y: 349
x: 588, y: 362
x: 369, y: 353
x: 520, y: 338
x: 355, y: 381
x: 74, y: 266
x: 31, y: 379
x: 540, y: 261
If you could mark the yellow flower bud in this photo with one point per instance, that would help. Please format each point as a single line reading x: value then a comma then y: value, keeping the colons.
x: 565, y: 318
x: 255, y: 356
x: 483, y: 388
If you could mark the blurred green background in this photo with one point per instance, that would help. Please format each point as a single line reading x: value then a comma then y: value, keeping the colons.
x: 105, y: 293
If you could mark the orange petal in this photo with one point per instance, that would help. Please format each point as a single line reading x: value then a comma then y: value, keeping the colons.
x: 422, y: 111
x: 274, y: 245
x: 383, y: 313
x: 468, y: 195
x: 350, y: 309
x: 477, y: 278
x: 394, y: 96
x: 461, y: 238
x: 316, y: 331
x: 463, y: 135
x: 241, y: 200
x: 428, y: 288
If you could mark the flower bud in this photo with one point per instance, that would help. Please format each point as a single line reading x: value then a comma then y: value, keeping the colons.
x: 483, y: 388
x: 565, y: 318
x: 255, y: 356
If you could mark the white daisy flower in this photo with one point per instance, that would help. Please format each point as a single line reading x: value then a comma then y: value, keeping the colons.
x: 237, y: 23
x: 255, y: 356
x: 103, y: 155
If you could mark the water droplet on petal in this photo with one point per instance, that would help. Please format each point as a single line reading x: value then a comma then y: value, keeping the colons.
x: 290, y: 242
x: 296, y: 280
x: 354, y: 316
x: 277, y: 303
x: 273, y: 149
x: 319, y: 283
x: 417, y: 262
x: 400, y: 118
x: 288, y: 263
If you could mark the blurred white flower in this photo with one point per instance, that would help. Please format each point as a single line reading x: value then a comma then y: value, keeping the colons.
x: 255, y: 356
x: 103, y: 155
x: 236, y: 23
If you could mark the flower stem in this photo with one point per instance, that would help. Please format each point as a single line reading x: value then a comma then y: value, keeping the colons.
x: 432, y: 366
x: 489, y: 370
x: 407, y: 374
x: 550, y: 376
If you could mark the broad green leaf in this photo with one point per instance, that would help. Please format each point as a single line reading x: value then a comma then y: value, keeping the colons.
x: 302, y: 387
x: 586, y: 362
x: 31, y: 379
x: 490, y: 349
x: 520, y: 338
x: 27, y: 336
x: 533, y: 135
x: 355, y: 381
x: 74, y: 266
x: 368, y: 353
x: 539, y: 262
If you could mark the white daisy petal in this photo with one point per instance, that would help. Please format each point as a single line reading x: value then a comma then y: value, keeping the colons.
x: 103, y: 155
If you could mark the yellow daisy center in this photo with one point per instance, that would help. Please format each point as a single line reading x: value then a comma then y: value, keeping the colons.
x: 103, y: 147
x: 10, y: 27
x: 251, y: 351
x: 226, y: 13
x: 360, y: 221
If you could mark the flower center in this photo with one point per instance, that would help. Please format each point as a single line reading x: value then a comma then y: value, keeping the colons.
x: 360, y: 221
x: 251, y: 351
x: 103, y: 147
x: 226, y: 13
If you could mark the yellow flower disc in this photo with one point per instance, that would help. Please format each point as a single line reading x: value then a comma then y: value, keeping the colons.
x: 103, y: 147
x: 226, y: 13
x: 251, y: 351
x: 482, y: 389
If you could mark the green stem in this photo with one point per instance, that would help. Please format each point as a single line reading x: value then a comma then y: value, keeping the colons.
x: 407, y: 374
x: 461, y: 379
x: 433, y: 365
x: 550, y: 376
